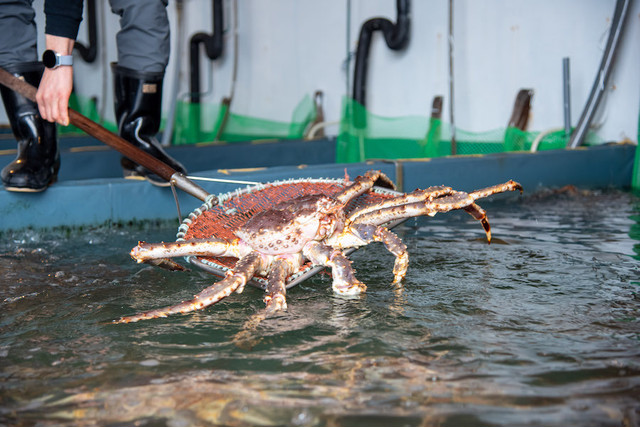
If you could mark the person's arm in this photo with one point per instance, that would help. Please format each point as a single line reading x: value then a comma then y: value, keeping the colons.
x: 62, y: 22
x: 56, y: 84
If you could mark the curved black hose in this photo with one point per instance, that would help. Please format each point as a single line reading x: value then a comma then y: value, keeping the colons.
x: 89, y: 53
x: 395, y: 35
x: 213, y: 44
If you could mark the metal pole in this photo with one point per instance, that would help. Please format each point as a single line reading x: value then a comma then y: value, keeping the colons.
x: 451, y: 117
x: 566, y: 92
x: 600, y: 83
x: 348, y: 60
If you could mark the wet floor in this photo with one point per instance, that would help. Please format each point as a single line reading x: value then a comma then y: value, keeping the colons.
x: 542, y: 327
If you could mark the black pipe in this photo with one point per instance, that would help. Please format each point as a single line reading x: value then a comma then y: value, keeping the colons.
x: 395, y: 35
x: 90, y: 53
x: 213, y: 47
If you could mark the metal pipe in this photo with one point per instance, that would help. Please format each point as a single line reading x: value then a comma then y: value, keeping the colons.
x: 348, y: 60
x: 167, y: 134
x: 600, y: 83
x: 566, y: 92
x: 451, y: 109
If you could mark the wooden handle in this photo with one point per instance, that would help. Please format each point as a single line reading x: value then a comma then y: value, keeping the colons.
x: 100, y: 133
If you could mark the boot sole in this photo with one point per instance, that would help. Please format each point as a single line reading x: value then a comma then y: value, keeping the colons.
x: 25, y: 189
x: 29, y: 189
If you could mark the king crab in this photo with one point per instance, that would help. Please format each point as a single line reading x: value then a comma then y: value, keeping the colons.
x: 276, y: 242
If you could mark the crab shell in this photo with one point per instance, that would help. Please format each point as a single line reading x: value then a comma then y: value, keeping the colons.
x: 290, y: 225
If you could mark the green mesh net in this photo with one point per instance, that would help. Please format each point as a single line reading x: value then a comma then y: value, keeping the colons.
x: 214, y: 122
x: 210, y: 122
x: 364, y: 135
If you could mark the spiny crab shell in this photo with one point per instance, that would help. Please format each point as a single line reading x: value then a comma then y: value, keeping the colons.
x: 291, y: 224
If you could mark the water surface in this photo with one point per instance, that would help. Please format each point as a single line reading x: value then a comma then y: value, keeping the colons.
x: 539, y: 328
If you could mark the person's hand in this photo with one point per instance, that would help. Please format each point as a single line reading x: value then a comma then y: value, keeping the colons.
x: 53, y: 94
x: 56, y: 84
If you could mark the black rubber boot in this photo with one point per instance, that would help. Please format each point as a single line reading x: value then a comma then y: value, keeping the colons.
x: 38, y: 161
x: 138, y: 106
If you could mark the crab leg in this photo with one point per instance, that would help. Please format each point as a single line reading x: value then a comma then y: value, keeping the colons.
x: 481, y: 215
x: 146, y: 252
x: 234, y: 281
x: 428, y: 194
x: 510, y: 185
x: 344, y: 279
x: 362, y: 184
x: 363, y: 234
x: 457, y: 200
x: 276, y: 290
x: 453, y: 201
x: 394, y: 245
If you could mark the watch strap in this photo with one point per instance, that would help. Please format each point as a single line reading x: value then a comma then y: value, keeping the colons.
x: 65, y: 59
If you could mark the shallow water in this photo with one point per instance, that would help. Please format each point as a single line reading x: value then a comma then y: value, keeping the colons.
x: 542, y: 327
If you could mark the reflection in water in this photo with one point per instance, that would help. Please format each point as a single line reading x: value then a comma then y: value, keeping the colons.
x: 539, y: 328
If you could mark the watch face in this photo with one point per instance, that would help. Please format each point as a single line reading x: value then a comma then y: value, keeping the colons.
x: 49, y: 58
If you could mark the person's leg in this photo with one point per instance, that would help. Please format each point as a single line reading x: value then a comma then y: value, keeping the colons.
x: 19, y: 34
x: 143, y: 54
x: 38, y: 160
x: 143, y: 39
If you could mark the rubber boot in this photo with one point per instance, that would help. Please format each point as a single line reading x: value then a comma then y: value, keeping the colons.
x: 38, y: 161
x: 138, y: 106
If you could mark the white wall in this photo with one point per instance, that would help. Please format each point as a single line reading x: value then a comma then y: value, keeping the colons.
x: 290, y: 48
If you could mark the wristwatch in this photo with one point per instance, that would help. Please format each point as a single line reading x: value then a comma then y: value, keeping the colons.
x: 52, y: 59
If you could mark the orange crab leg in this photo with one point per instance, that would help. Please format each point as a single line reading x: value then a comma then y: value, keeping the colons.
x: 394, y: 245
x: 427, y: 194
x: 363, y: 234
x: 146, y: 252
x: 453, y: 201
x: 481, y: 215
x: 510, y: 185
x: 276, y: 290
x: 362, y: 184
x: 457, y: 200
x: 234, y: 281
x: 344, y: 279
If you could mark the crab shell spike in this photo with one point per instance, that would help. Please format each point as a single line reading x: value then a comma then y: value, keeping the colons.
x: 362, y: 184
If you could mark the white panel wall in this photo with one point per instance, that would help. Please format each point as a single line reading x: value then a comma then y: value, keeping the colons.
x: 290, y: 48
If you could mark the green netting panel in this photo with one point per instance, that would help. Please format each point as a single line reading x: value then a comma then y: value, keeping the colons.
x: 211, y: 122
x: 366, y: 136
